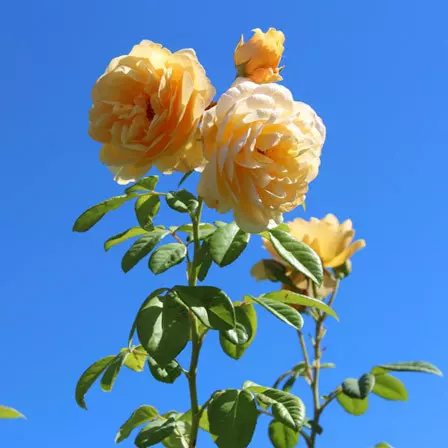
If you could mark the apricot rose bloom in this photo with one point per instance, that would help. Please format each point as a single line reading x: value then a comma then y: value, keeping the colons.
x: 331, y: 240
x: 259, y: 57
x: 263, y: 150
x: 146, y: 110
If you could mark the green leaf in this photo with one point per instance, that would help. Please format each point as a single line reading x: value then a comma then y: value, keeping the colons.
x: 247, y: 317
x: 282, y: 311
x: 141, y: 415
x: 382, y: 445
x: 300, y: 256
x: 289, y: 383
x: 281, y: 436
x: 166, y: 374
x: 390, y: 388
x: 412, y: 366
x: 272, y: 270
x: 237, y: 335
x: 136, y: 359
x: 211, y: 305
x: 220, y: 224
x: 90, y: 375
x: 163, y: 328
x: 185, y: 177
x: 205, y: 230
x: 142, y: 247
x: 91, y: 216
x: 205, y: 261
x: 144, y: 184
x: 9, y: 413
x: 285, y: 296
x: 286, y: 408
x: 155, y: 432
x: 156, y: 292
x: 227, y: 244
x: 354, y: 406
x: 360, y: 388
x: 180, y: 437
x: 146, y: 207
x: 182, y: 201
x: 166, y: 257
x: 112, y: 371
x: 123, y: 236
x: 233, y: 417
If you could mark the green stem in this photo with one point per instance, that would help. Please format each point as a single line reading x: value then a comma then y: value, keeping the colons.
x: 318, y: 409
x: 195, y: 339
x: 305, y: 355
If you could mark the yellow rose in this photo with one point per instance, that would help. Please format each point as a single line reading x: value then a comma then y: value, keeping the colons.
x: 259, y: 57
x: 329, y: 239
x: 146, y: 110
x: 263, y: 150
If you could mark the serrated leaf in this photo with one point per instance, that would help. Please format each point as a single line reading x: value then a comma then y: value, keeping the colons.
x: 90, y: 375
x: 281, y: 436
x: 167, y: 256
x: 247, y: 317
x: 163, y: 328
x: 142, y: 247
x: 286, y: 408
x: 282, y: 311
x: 211, y: 305
x: 182, y: 201
x: 155, y: 432
x: 390, y: 388
x: 354, y: 406
x: 290, y: 297
x: 233, y: 417
x: 300, y: 256
x: 227, y: 244
x: 147, y: 183
x: 141, y: 415
x: 123, y: 236
x: 146, y: 208
x: 112, y: 371
x: 9, y: 413
x: 412, y: 366
x: 167, y: 373
x: 92, y: 215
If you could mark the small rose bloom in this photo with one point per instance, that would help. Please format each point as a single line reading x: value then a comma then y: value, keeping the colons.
x: 259, y: 57
x: 263, y: 150
x: 146, y: 110
x: 332, y: 241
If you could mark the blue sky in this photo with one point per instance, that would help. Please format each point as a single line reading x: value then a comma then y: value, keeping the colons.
x: 375, y: 71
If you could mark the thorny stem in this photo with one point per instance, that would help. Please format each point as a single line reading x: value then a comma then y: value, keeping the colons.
x: 195, y: 339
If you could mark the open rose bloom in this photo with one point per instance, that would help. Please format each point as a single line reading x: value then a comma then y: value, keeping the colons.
x: 146, y: 110
x: 263, y: 149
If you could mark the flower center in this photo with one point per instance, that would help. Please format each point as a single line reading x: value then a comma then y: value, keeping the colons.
x: 149, y: 110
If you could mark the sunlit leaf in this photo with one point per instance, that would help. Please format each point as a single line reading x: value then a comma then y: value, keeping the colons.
x: 227, y: 244
x: 182, y: 201
x: 143, y: 185
x: 300, y: 256
x: 390, y: 388
x: 92, y: 215
x: 9, y: 413
x: 112, y: 371
x: 155, y: 432
x: 354, y: 406
x: 167, y: 373
x: 146, y: 208
x: 167, y: 256
x: 123, y: 236
x: 233, y: 417
x: 412, y: 366
x: 140, y: 416
x: 90, y: 375
x: 281, y: 436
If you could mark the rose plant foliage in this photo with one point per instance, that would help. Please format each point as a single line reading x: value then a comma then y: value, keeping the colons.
x: 255, y: 150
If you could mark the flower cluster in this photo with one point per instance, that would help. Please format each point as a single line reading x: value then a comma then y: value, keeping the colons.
x: 258, y: 148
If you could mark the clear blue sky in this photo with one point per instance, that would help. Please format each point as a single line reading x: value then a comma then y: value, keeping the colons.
x: 375, y: 71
